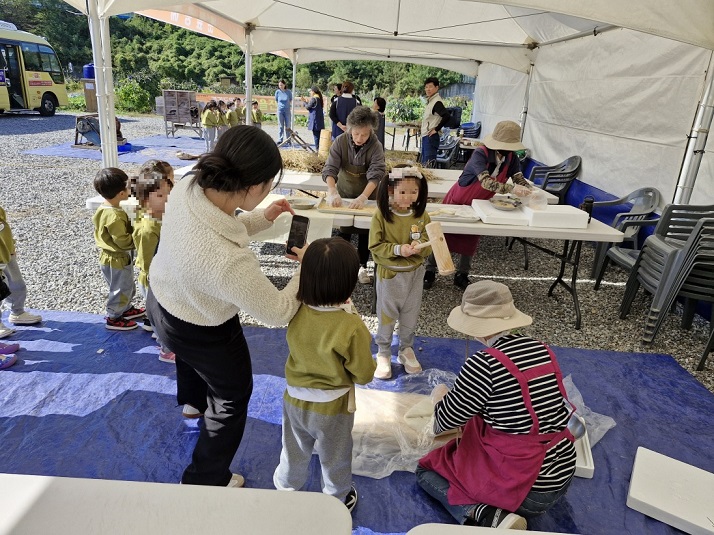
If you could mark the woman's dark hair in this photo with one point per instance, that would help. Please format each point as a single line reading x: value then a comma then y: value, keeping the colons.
x: 328, y: 275
x: 339, y: 87
x: 348, y: 87
x: 317, y: 92
x: 381, y: 103
x: 362, y: 116
x: 110, y: 182
x: 244, y: 156
x: 282, y: 82
x: 386, y: 183
x: 212, y: 104
x: 147, y: 183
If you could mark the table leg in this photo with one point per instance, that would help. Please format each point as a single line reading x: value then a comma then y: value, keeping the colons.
x: 570, y: 255
x: 394, y: 134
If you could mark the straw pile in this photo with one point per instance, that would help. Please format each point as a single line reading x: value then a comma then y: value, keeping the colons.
x: 312, y: 162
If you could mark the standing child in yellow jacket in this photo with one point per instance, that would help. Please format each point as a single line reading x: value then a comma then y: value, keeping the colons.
x: 396, y: 228
x: 10, y: 272
x: 112, y: 234
x: 152, y: 191
x: 210, y: 120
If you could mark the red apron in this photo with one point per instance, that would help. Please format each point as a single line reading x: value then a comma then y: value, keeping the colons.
x: 493, y: 467
x: 462, y: 243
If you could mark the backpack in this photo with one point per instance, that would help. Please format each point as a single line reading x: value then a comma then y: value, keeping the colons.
x: 454, y: 120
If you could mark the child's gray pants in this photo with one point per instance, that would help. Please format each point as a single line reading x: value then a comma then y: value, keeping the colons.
x: 121, y: 289
x: 398, y: 298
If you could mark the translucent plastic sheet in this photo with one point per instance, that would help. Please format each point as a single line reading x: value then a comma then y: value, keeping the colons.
x: 393, y: 430
x: 597, y: 424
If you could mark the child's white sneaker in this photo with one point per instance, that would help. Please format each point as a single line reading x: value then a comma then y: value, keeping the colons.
x: 408, y: 359
x: 363, y: 276
x: 384, y: 366
x: 26, y: 318
x: 5, y: 331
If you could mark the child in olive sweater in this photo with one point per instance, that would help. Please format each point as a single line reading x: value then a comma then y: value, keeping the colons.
x: 396, y: 228
x: 329, y: 352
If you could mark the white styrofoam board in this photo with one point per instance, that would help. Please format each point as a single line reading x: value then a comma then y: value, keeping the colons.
x: 560, y: 216
x: 672, y: 492
x: 489, y: 214
x: 584, y: 463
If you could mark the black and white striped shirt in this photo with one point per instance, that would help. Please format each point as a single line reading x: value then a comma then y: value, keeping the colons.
x: 486, y: 388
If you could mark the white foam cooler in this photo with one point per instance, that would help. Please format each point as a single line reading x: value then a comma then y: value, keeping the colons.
x: 556, y: 215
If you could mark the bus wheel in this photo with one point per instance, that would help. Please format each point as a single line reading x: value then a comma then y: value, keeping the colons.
x: 48, y: 105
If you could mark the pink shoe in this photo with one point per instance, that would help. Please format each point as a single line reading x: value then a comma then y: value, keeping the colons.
x: 167, y: 356
x: 6, y: 349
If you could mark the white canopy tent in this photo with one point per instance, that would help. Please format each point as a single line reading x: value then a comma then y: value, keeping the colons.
x: 635, y: 101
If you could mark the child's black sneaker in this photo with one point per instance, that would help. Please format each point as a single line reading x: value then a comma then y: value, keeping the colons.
x: 351, y: 499
x: 133, y: 313
x: 121, y: 324
x: 147, y: 325
x: 499, y: 518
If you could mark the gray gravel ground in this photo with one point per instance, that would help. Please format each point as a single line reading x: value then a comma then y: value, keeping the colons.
x: 44, y: 198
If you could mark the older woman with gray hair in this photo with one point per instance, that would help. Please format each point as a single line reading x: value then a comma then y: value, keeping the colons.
x: 353, y: 169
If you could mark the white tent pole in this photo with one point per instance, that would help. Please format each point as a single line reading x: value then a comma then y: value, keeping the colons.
x: 292, y: 104
x: 524, y: 113
x: 109, y: 138
x: 697, y: 141
x: 109, y: 153
x: 248, y: 76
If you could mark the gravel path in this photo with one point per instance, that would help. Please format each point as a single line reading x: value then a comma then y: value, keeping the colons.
x: 44, y: 198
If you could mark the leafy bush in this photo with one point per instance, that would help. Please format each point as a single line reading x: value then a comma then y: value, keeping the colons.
x: 76, y: 102
x: 405, y: 110
x: 131, y: 96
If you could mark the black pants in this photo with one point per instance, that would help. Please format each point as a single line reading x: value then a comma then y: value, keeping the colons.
x: 214, y: 375
x: 362, y: 243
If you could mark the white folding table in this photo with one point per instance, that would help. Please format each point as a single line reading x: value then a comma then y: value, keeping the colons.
x: 573, y: 239
x: 63, y: 505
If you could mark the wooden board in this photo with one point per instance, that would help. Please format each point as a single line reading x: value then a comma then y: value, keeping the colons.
x: 368, y: 210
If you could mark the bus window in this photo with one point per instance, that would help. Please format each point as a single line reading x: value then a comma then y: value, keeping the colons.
x: 31, y: 55
x: 51, y: 65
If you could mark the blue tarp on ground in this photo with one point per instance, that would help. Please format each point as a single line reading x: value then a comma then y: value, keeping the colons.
x: 142, y: 149
x: 86, y: 402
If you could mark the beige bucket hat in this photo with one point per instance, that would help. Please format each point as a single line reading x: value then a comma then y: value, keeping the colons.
x: 506, y: 136
x: 487, y: 308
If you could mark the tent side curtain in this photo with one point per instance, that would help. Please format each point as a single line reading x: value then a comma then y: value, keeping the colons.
x: 499, y: 96
x: 627, y: 119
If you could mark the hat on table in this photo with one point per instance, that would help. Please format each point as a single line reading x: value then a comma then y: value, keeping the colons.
x: 506, y: 136
x: 487, y: 308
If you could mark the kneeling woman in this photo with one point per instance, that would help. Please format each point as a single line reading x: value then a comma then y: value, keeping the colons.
x: 516, y: 457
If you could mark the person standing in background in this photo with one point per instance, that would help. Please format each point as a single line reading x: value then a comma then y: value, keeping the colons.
x: 284, y: 98
x: 316, y: 117
x: 435, y: 116
x: 341, y: 108
x: 380, y: 105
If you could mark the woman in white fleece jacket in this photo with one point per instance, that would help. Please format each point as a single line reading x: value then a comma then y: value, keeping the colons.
x: 203, y: 274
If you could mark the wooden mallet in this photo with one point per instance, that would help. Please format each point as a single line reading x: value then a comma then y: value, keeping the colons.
x: 439, y: 248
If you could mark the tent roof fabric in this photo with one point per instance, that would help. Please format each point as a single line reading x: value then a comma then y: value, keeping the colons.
x: 455, y: 34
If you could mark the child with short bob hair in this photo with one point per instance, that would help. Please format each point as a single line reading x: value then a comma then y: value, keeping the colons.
x: 113, y: 236
x: 329, y: 352
x: 151, y: 190
x: 397, y: 227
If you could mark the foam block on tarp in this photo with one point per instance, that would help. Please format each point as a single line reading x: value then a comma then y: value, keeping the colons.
x: 673, y: 492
